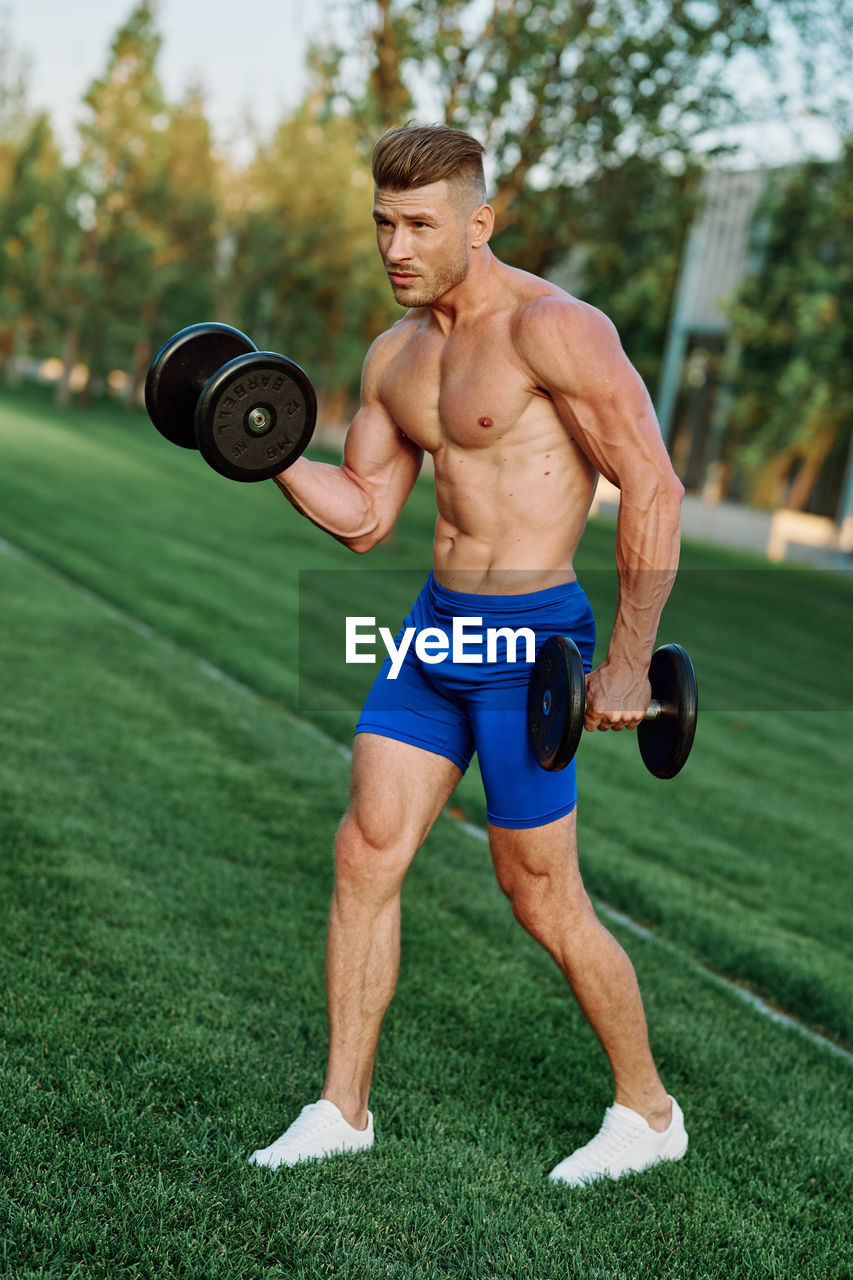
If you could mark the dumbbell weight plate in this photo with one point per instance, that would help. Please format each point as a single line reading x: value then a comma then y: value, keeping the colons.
x: 181, y: 368
x: 556, y: 700
x: 255, y: 416
x: 665, y: 741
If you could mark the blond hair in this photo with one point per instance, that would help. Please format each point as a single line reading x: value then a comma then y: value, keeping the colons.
x: 416, y: 155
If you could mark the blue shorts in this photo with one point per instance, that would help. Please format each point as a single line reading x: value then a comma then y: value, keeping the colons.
x: 454, y: 708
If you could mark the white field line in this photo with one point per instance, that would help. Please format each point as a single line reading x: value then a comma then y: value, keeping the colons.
x: 477, y: 833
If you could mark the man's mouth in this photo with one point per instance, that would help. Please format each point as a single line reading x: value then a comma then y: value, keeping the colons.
x: 401, y: 277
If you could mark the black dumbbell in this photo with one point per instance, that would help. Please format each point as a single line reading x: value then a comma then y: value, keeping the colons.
x: 249, y: 413
x: 556, y: 704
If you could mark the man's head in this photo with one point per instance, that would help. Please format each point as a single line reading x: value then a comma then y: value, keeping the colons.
x: 430, y: 209
x: 419, y: 155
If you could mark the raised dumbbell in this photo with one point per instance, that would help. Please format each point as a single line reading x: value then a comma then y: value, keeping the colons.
x: 249, y: 413
x: 556, y: 705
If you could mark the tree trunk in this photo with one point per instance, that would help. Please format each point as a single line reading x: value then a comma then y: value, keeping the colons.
x: 70, y: 351
x: 809, y: 473
x: 769, y: 490
x: 138, y: 369
x: 71, y: 346
x: 9, y: 357
x: 392, y: 97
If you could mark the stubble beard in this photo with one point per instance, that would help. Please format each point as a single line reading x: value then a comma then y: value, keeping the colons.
x: 429, y: 288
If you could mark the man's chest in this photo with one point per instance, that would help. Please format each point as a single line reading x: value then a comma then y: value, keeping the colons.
x: 467, y: 390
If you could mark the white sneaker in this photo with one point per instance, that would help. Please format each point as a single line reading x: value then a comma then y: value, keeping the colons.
x: 319, y: 1130
x: 625, y: 1143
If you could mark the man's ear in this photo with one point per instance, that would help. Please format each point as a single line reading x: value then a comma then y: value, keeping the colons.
x: 481, y: 225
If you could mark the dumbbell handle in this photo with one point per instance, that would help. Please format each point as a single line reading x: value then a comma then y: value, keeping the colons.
x: 657, y: 710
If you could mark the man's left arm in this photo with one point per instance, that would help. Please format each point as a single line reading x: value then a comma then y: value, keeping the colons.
x: 575, y: 355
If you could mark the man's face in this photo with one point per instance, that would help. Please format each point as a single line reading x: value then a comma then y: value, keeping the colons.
x: 423, y: 238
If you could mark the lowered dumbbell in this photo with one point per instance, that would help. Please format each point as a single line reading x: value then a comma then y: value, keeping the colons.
x: 249, y: 413
x: 556, y: 705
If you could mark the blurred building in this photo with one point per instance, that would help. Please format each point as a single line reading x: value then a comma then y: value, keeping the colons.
x: 699, y: 371
x: 692, y: 401
x: 701, y: 360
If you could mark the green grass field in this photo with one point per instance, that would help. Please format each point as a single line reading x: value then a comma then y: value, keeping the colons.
x: 165, y: 851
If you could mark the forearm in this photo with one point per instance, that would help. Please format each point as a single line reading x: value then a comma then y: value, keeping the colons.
x: 647, y: 550
x: 333, y: 499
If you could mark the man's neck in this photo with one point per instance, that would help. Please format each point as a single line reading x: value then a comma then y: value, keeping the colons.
x: 473, y: 296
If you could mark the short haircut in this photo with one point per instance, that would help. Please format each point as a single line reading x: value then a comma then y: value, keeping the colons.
x: 412, y: 155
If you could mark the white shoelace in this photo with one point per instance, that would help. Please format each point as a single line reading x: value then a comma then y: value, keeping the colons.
x: 310, y: 1123
x: 616, y: 1134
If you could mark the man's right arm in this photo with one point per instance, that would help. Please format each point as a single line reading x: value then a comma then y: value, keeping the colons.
x: 359, y: 501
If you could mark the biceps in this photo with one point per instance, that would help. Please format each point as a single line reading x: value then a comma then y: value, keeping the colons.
x: 381, y: 460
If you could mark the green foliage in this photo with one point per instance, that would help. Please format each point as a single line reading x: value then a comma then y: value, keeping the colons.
x: 102, y: 258
x: 151, y: 233
x: 625, y: 233
x: 573, y: 88
x: 189, y: 218
x: 634, y: 223
x: 793, y: 409
x: 40, y: 238
x: 15, y: 111
x: 305, y: 276
x: 39, y: 235
x: 122, y: 144
x: 593, y: 116
x: 590, y: 112
x: 590, y: 115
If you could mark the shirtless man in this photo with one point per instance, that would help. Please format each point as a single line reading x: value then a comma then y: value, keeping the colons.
x: 521, y: 394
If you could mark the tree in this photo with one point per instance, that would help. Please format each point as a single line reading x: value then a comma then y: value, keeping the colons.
x: 593, y: 112
x: 189, y: 217
x: 625, y: 252
x: 39, y: 233
x: 185, y: 233
x: 149, y: 209
x: 121, y: 159
x: 792, y: 414
x: 15, y: 112
x: 40, y: 238
x: 305, y: 275
x: 559, y: 92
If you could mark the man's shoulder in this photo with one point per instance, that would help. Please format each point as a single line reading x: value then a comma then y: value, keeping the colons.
x: 542, y: 307
x: 548, y: 320
x: 389, y: 343
x: 395, y: 336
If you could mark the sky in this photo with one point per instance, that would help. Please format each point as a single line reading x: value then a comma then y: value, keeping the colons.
x: 249, y: 54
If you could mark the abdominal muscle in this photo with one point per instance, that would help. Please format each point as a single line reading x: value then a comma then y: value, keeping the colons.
x: 509, y: 522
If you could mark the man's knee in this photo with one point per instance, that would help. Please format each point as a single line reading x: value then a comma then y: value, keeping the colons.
x: 368, y: 856
x: 529, y: 895
x: 539, y: 901
x: 544, y: 888
x: 562, y: 922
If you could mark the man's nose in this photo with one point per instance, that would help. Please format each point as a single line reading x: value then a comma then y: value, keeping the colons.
x: 398, y: 249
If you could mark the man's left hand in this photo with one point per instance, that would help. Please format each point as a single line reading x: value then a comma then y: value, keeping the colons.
x: 617, y: 697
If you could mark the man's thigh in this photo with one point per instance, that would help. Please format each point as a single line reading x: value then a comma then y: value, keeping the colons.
x: 397, y: 791
x: 519, y: 792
